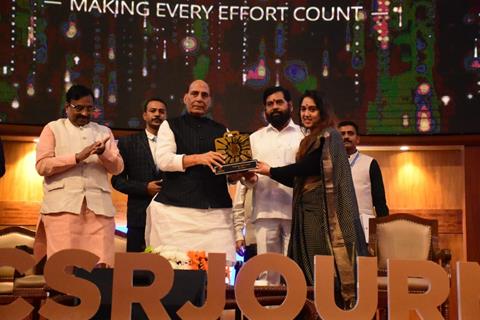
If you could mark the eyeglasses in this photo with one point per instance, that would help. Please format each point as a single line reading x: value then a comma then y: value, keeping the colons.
x: 81, y: 108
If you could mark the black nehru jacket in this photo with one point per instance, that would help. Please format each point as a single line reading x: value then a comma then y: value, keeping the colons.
x: 197, y: 187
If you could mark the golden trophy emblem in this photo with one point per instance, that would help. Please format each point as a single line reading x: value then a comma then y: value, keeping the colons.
x: 236, y: 150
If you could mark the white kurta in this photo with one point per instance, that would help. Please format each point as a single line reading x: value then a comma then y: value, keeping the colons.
x: 209, y: 230
x: 271, y: 199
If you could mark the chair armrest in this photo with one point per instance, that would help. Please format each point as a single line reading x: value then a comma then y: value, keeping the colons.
x: 371, y: 252
x: 444, y: 256
x: 7, y: 273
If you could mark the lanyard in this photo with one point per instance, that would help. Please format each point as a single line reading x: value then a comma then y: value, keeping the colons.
x: 354, y: 160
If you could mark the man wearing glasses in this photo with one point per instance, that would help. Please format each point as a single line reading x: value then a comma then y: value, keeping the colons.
x: 75, y: 156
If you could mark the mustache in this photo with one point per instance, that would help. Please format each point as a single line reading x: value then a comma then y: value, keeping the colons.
x: 347, y: 140
x: 276, y: 115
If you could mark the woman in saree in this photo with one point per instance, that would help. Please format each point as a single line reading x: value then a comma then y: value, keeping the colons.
x: 325, y: 218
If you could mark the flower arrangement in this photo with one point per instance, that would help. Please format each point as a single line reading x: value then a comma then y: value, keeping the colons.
x: 198, y: 260
x: 178, y: 259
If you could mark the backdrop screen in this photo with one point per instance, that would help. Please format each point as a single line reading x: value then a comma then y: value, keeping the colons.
x: 395, y: 67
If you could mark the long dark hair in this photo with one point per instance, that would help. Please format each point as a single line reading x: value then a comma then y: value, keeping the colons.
x: 327, y: 119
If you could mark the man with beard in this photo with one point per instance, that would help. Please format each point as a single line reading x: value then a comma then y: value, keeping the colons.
x: 276, y: 144
x: 367, y: 176
x: 75, y: 157
x: 140, y: 179
x: 193, y: 210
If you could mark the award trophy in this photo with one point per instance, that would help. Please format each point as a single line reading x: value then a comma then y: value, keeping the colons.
x: 235, y: 148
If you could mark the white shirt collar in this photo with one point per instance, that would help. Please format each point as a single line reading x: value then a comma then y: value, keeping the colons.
x: 353, y: 157
x: 289, y: 126
x: 150, y: 136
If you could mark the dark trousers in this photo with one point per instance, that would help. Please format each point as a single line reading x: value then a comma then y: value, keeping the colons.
x: 136, y: 239
x: 250, y: 252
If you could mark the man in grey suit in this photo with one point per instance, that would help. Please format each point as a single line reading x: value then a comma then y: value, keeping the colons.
x: 140, y: 179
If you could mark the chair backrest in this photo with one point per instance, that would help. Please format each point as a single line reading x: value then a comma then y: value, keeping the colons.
x: 11, y: 237
x: 402, y: 236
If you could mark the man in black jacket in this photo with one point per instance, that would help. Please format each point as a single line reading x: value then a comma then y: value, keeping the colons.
x: 140, y: 179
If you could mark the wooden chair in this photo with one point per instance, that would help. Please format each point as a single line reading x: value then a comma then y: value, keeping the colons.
x: 21, y: 238
x: 30, y: 286
x: 408, y: 237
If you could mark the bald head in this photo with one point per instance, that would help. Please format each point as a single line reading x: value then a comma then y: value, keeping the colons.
x: 197, y: 99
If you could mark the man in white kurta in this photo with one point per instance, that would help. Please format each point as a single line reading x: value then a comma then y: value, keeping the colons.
x: 276, y: 144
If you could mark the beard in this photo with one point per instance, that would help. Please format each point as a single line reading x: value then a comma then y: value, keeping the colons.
x: 278, y: 119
